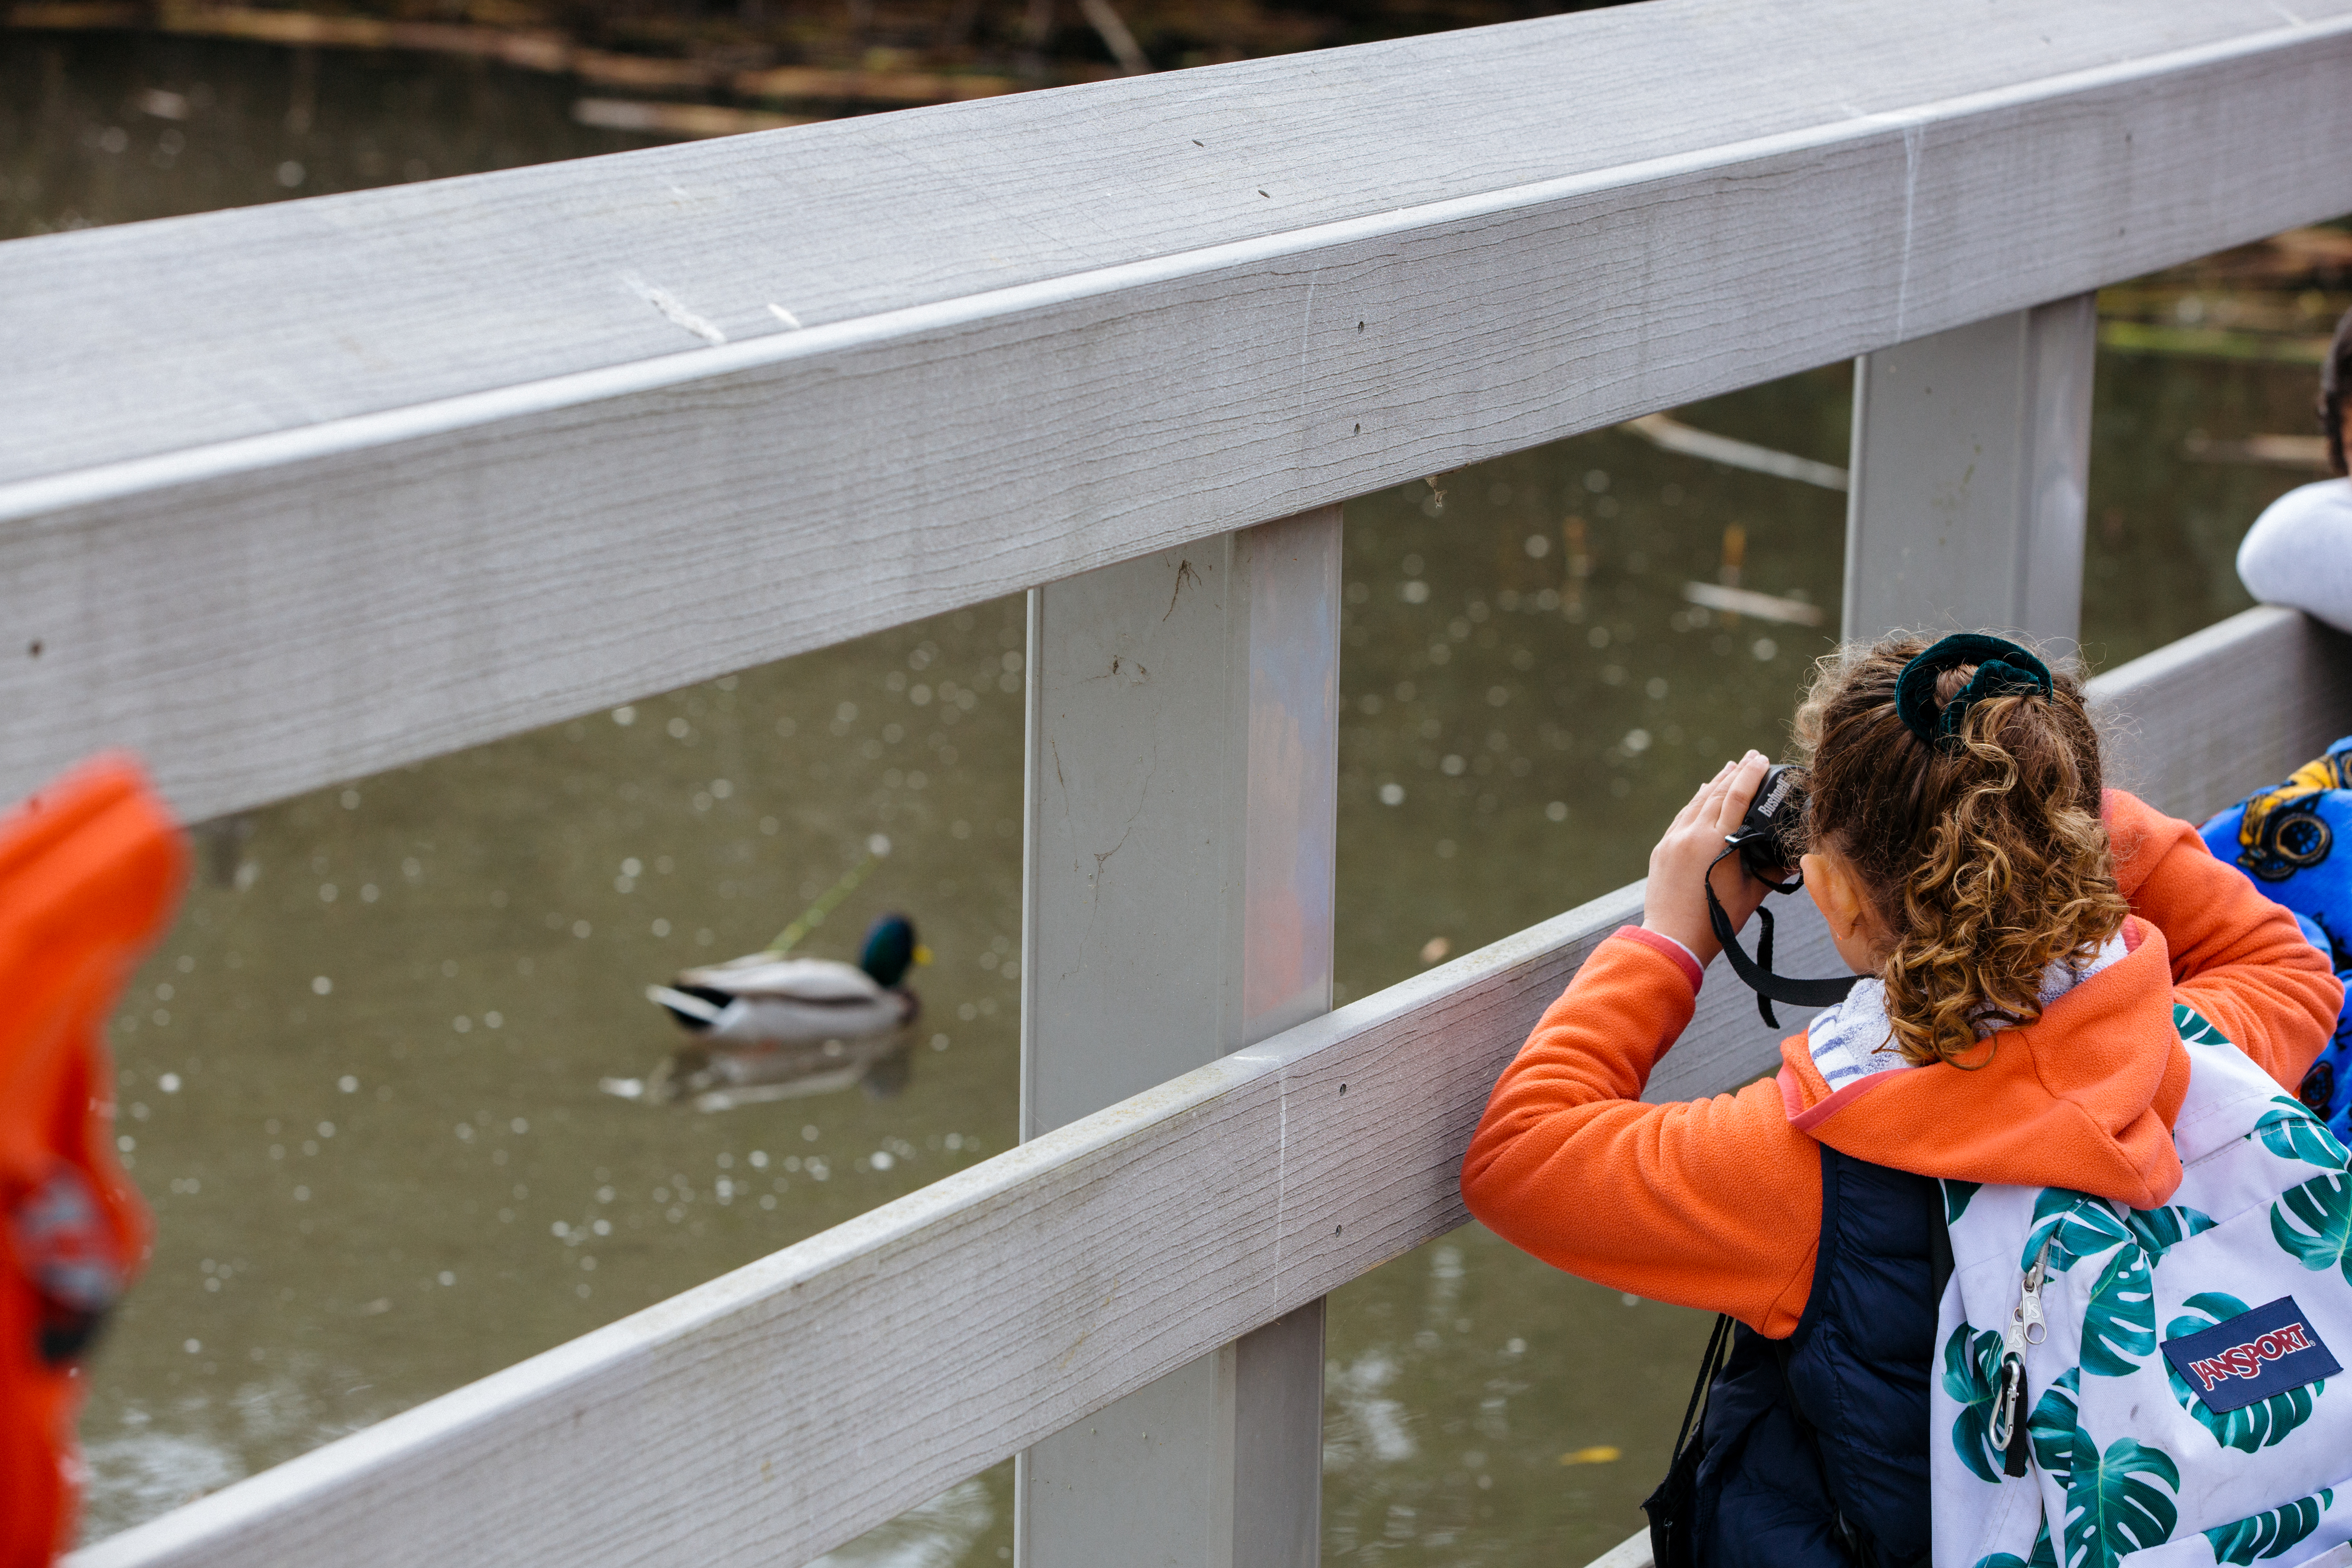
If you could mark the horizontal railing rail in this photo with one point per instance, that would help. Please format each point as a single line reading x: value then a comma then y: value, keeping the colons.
x: 779, y: 1411
x: 383, y: 475
x: 2200, y: 721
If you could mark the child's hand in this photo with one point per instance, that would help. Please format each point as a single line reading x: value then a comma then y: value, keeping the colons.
x: 1676, y: 902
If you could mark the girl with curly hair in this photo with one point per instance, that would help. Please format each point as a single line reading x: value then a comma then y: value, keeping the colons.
x: 2022, y: 934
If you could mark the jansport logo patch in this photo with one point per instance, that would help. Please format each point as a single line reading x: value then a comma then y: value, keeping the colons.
x: 2268, y: 1350
x: 2246, y: 1360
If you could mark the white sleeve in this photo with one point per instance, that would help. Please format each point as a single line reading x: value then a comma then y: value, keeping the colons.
x: 1695, y: 965
x: 2299, y: 553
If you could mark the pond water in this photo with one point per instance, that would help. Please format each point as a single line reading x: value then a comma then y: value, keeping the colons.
x: 361, y: 1078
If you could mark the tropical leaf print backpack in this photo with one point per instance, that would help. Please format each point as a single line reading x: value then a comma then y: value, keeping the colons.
x: 2155, y: 1386
x: 2284, y: 838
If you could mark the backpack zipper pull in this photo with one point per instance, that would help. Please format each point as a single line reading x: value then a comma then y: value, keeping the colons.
x: 2027, y: 1326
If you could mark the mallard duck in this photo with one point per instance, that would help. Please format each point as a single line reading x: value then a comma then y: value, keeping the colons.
x: 762, y: 998
x: 766, y: 1027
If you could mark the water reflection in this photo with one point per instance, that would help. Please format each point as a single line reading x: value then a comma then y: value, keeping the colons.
x: 724, y: 1075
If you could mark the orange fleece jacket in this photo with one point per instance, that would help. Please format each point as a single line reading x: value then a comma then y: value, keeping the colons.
x: 1716, y: 1202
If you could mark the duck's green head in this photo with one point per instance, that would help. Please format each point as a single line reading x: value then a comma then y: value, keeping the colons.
x: 890, y: 950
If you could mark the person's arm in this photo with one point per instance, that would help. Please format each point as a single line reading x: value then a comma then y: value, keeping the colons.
x: 2237, y: 958
x: 1712, y: 1203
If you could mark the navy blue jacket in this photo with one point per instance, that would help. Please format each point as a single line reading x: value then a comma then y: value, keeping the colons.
x: 1816, y: 1447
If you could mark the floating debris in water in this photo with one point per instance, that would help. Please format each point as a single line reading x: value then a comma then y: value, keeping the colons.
x: 1599, y: 1454
x: 1671, y: 435
x: 2259, y: 451
x: 1748, y: 602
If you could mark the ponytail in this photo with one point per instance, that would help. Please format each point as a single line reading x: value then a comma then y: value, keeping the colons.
x: 1970, y: 808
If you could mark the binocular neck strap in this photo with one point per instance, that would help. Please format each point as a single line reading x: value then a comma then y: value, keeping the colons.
x: 1757, y: 972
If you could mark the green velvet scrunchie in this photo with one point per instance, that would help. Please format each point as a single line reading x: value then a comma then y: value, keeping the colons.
x: 2003, y: 670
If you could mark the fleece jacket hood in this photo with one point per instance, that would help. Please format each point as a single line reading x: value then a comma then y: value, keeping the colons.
x: 2084, y: 1097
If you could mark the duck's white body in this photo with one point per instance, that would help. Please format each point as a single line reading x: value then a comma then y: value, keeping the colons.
x: 782, y: 1001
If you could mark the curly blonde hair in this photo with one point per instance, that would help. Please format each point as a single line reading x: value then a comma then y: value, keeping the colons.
x: 1985, y: 856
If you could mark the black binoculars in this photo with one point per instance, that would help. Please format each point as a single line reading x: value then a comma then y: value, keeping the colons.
x: 1770, y: 842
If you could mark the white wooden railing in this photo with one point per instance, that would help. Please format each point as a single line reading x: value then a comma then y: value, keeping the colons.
x: 294, y: 494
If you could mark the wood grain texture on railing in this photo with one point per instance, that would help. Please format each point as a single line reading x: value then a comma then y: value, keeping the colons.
x: 387, y: 474
x: 303, y: 313
x: 782, y: 1409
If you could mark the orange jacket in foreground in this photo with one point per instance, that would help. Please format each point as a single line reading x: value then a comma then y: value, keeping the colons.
x: 90, y: 870
x: 1716, y: 1202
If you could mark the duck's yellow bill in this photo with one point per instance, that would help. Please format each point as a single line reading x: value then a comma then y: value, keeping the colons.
x: 1600, y: 1454
x: 922, y: 953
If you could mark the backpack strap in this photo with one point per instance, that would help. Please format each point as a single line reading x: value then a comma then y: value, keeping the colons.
x: 1671, y: 1505
x: 1939, y: 1252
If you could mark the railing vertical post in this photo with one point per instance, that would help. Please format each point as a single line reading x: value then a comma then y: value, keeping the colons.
x: 1971, y: 457
x: 1182, y: 779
